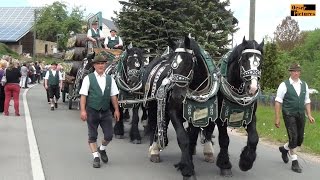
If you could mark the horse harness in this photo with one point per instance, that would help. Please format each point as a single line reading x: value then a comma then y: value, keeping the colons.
x: 237, y: 108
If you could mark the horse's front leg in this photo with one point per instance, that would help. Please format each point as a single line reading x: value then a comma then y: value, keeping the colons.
x: 193, y: 133
x: 248, y: 155
x: 223, y: 160
x: 144, y: 120
x: 154, y: 152
x: 185, y: 165
x: 208, y: 150
x: 135, y: 137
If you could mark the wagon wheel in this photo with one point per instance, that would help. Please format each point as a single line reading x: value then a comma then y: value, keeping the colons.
x: 70, y: 95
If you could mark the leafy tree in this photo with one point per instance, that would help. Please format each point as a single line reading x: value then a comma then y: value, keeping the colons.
x: 273, y: 67
x: 287, y: 34
x: 53, y: 22
x: 148, y: 23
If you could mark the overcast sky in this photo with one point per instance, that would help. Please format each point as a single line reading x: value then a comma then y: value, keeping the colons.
x: 269, y: 13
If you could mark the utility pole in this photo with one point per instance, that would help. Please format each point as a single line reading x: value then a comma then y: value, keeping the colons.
x: 34, y: 35
x: 252, y: 19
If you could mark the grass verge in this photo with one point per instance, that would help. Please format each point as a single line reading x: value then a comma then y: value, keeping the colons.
x: 266, y: 129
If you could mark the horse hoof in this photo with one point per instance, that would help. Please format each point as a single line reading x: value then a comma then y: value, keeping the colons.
x: 226, y: 172
x: 136, y: 141
x: 155, y: 158
x: 189, y: 178
x: 119, y: 136
x: 208, y: 157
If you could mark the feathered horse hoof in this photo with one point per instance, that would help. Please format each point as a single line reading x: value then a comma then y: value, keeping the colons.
x: 189, y: 177
x: 208, y: 157
x: 226, y: 172
x: 155, y: 158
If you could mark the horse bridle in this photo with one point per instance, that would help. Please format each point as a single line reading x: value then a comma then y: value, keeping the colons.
x: 229, y: 90
x: 251, y: 73
x: 178, y: 79
x: 133, y: 72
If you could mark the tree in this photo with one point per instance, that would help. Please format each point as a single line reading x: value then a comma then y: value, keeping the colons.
x: 273, y: 67
x: 287, y: 34
x: 53, y: 23
x: 148, y: 23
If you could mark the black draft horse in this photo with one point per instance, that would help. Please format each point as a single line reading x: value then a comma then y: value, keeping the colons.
x: 169, y: 78
x: 128, y: 78
x: 240, y: 87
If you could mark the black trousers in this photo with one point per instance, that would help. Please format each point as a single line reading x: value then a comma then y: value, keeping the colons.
x: 96, y: 118
x: 295, y: 124
x: 54, y: 90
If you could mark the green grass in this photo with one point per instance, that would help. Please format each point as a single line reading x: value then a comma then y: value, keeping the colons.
x: 5, y: 50
x: 266, y: 129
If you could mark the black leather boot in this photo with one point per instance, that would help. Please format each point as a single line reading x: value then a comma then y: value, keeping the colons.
x: 284, y: 155
x: 296, y: 167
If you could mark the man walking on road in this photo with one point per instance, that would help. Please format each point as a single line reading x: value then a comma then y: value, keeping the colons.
x: 53, y: 83
x: 97, y: 90
x: 293, y: 94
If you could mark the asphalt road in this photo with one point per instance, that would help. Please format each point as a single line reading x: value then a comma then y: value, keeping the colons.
x: 62, y: 141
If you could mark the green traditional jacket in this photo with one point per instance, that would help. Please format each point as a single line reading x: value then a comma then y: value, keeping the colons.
x: 112, y: 43
x: 97, y: 99
x: 53, y: 80
x: 95, y: 34
x: 292, y: 103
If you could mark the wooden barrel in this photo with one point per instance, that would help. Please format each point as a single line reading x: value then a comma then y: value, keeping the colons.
x: 81, y: 40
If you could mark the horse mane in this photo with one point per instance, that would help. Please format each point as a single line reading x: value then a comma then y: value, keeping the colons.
x: 168, y: 58
x: 237, y: 51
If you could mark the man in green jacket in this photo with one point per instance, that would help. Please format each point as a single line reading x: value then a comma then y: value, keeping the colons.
x: 113, y: 41
x: 293, y: 94
x: 53, y: 84
x: 94, y: 36
x: 97, y: 91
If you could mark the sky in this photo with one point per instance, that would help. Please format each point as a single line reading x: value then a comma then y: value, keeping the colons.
x: 269, y: 13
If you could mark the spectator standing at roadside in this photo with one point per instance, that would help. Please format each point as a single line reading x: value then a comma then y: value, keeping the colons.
x: 12, y: 88
x: 24, y: 75
x: 3, y: 66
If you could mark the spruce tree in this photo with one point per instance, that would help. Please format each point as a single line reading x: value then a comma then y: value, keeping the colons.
x: 274, y: 68
x: 148, y: 23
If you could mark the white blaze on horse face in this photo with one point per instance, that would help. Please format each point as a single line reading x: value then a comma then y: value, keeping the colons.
x: 179, y: 60
x: 254, y: 64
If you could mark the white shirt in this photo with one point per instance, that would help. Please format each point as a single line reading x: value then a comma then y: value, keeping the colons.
x: 89, y: 33
x: 53, y: 73
x: 106, y: 41
x: 102, y: 84
x: 282, y: 89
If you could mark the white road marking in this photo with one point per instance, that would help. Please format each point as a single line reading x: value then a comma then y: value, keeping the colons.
x: 36, y: 165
